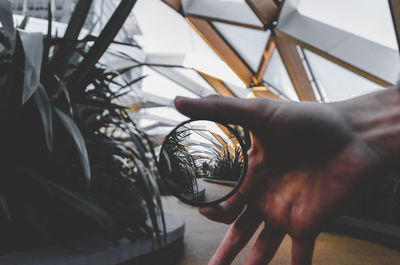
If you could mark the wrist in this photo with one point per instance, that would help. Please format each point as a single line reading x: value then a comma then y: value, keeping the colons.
x: 375, y: 119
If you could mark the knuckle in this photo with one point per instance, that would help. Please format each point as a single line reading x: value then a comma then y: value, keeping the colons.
x: 264, y: 108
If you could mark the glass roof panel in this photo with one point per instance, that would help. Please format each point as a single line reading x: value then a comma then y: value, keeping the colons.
x: 370, y: 19
x: 159, y: 85
x: 165, y: 31
x: 171, y: 113
x: 340, y: 34
x: 336, y: 82
x: 40, y: 25
x: 193, y: 75
x: 248, y: 43
x: 158, y: 121
x: 276, y: 76
x: 228, y: 10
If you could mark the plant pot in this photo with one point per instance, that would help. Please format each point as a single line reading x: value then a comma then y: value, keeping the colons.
x: 197, y: 196
x: 100, y: 251
x: 222, y: 182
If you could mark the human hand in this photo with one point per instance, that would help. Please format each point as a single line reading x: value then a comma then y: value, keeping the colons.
x: 309, y: 163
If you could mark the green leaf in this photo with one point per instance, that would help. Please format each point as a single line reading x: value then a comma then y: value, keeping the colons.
x: 81, y: 205
x: 5, y: 41
x: 148, y: 195
x: 74, y: 131
x: 62, y: 90
x: 4, y: 212
x: 157, y: 196
x: 24, y: 23
x: 120, y: 94
x: 63, y: 56
x: 33, y: 49
x: 99, y: 47
x: 43, y: 104
x: 78, y: 18
x: 6, y: 18
x: 46, y: 52
x: 99, y: 103
x: 141, y: 148
x: 88, y: 38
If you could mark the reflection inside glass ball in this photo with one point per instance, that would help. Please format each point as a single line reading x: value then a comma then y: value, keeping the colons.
x: 201, y: 161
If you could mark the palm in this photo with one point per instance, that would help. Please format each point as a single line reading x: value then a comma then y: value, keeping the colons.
x: 303, y: 167
x: 306, y: 166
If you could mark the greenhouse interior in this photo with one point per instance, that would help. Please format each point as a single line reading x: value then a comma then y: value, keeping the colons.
x: 192, y: 132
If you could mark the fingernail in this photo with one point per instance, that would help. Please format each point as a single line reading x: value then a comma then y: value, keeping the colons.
x: 181, y: 98
x: 206, y: 210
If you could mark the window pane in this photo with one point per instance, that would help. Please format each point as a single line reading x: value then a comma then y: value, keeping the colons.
x: 336, y: 82
x: 229, y: 10
x: 370, y: 19
x: 248, y: 43
x: 348, y: 31
x: 276, y: 76
x: 159, y: 85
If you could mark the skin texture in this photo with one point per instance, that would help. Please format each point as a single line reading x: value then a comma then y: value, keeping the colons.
x: 310, y: 162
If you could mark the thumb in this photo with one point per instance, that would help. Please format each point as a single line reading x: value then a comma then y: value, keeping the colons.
x: 244, y: 112
x: 226, y: 212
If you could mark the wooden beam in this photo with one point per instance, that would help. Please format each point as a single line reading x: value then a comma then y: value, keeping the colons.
x: 269, y: 49
x: 217, y: 84
x: 395, y: 10
x: 222, y: 49
x: 174, y: 4
x: 333, y: 59
x: 259, y: 13
x: 295, y: 68
x: 264, y: 92
x: 265, y: 10
x: 228, y: 22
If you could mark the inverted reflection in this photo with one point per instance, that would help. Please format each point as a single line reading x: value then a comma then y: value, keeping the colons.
x: 202, y: 161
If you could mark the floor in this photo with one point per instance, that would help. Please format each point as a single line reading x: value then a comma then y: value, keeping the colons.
x: 202, y: 237
x: 214, y: 191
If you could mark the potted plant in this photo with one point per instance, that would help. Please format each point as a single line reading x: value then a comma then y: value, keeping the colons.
x: 183, y: 172
x: 227, y: 166
x: 74, y: 165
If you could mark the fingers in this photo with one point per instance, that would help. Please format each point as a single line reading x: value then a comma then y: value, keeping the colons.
x: 302, y: 251
x: 236, y: 238
x: 245, y: 112
x: 227, y: 211
x: 265, y: 247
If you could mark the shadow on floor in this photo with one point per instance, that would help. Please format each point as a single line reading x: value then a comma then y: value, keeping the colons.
x: 202, y: 238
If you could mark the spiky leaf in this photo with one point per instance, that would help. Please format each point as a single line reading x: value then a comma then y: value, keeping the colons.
x: 82, y: 205
x: 24, y: 23
x: 43, y: 104
x: 6, y: 18
x: 74, y: 131
x: 99, y: 47
x: 32, y: 44
x: 4, y: 212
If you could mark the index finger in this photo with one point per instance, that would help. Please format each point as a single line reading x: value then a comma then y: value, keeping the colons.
x: 237, y: 237
x: 245, y: 112
x: 227, y: 211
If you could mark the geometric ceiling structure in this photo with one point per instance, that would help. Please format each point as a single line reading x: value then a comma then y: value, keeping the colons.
x: 365, y: 57
x: 303, y: 41
x: 294, y: 50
